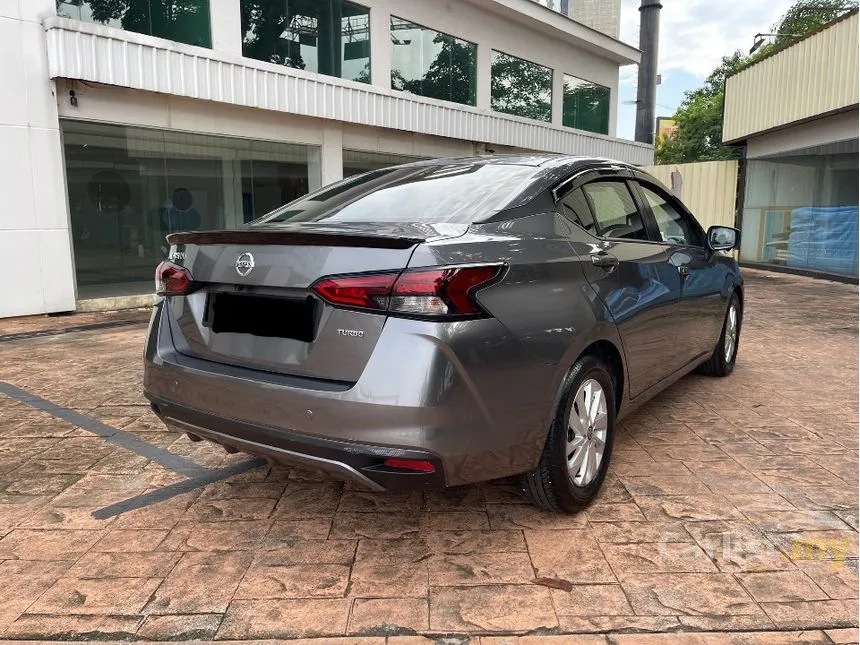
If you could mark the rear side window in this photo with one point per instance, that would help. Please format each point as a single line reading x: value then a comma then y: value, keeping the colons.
x: 614, y: 211
x: 460, y: 194
x: 574, y: 206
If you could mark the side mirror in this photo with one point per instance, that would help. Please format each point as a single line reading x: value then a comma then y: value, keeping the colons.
x: 723, y: 238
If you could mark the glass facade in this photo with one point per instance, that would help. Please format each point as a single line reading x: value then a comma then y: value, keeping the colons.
x: 800, y: 209
x: 356, y: 162
x: 184, y: 21
x: 329, y: 37
x: 520, y: 87
x: 429, y: 63
x: 585, y: 105
x: 130, y: 187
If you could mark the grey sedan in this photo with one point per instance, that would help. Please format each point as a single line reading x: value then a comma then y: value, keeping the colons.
x: 445, y: 322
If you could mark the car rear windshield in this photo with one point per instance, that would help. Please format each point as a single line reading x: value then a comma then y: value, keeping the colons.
x: 429, y: 194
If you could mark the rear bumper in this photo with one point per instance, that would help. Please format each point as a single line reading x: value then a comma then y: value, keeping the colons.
x: 469, y: 399
x: 358, y: 462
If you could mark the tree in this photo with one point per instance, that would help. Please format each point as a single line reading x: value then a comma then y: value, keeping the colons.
x: 700, y: 116
x: 451, y: 75
x: 700, y: 120
x: 520, y: 87
x: 803, y: 17
x: 185, y: 21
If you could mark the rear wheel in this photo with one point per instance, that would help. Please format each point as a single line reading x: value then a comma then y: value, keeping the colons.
x: 577, y: 451
x: 722, y: 361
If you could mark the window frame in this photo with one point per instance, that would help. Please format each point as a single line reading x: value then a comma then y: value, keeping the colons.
x: 616, y: 173
x: 552, y: 73
x: 361, y: 5
x: 641, y: 183
x: 391, y: 18
x: 564, y: 76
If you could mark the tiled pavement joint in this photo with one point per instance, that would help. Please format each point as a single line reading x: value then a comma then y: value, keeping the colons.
x: 166, y: 492
x: 728, y: 517
x: 197, y: 475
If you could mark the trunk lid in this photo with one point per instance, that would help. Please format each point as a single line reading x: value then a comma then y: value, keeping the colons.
x: 253, y: 307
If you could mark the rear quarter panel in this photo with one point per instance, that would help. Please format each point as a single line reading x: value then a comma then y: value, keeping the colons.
x: 546, y: 304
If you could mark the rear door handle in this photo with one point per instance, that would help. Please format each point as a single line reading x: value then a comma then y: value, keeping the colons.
x: 606, y: 260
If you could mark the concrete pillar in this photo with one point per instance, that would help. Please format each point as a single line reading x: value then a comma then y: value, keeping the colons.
x: 557, y: 96
x: 34, y: 222
x: 226, y: 21
x: 325, y: 165
x: 484, y: 64
x: 380, y: 47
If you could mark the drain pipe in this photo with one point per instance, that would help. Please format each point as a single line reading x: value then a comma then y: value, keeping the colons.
x: 646, y: 90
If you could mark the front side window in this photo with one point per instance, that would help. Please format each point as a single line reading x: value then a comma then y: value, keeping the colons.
x: 585, y: 105
x: 330, y: 37
x: 614, y: 211
x: 520, y: 87
x: 429, y: 63
x: 183, y: 21
x: 673, y: 225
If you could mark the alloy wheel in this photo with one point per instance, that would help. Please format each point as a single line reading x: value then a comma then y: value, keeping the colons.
x: 586, y: 433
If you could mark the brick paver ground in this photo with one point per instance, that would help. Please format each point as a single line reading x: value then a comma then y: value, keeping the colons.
x: 731, y: 506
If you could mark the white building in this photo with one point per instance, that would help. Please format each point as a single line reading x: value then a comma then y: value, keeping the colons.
x: 795, y: 115
x: 123, y: 121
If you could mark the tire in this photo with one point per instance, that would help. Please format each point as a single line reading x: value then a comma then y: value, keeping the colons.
x: 722, y: 361
x: 553, y: 485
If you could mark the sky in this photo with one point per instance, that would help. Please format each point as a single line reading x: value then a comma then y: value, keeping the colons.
x: 694, y: 36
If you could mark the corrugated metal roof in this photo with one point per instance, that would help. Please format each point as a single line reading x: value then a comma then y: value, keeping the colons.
x: 94, y: 53
x: 815, y: 76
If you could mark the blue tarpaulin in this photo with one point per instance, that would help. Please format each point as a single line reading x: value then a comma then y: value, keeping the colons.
x: 824, y: 239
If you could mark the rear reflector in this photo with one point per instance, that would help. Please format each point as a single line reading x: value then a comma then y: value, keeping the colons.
x: 444, y: 292
x: 411, y: 464
x: 172, y: 280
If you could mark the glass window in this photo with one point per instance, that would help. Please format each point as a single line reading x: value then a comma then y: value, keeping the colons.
x: 356, y: 162
x: 575, y: 207
x: 433, y: 194
x: 520, y: 87
x: 614, y: 211
x: 130, y: 187
x: 329, y: 37
x: 430, y: 63
x: 585, y: 105
x: 800, y: 209
x: 673, y: 225
x: 184, y: 21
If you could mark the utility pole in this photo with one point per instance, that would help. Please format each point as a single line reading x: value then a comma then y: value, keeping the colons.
x: 646, y: 91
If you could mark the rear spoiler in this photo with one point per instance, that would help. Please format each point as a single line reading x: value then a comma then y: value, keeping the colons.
x: 293, y: 238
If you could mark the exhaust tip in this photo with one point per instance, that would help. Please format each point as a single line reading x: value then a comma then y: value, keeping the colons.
x: 155, y: 408
x: 193, y: 437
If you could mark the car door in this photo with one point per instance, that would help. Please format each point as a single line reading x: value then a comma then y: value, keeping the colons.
x: 701, y: 309
x: 629, y: 271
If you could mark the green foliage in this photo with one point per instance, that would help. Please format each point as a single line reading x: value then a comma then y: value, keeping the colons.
x: 700, y: 120
x: 700, y: 116
x: 451, y: 76
x: 184, y: 21
x: 521, y: 87
x: 585, y: 106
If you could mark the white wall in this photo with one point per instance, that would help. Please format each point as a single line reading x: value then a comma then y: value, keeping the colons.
x: 829, y: 129
x: 463, y: 20
x: 35, y: 246
x: 490, y: 31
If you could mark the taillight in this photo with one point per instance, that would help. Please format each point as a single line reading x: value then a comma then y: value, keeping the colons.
x: 363, y: 292
x: 172, y: 280
x: 444, y: 292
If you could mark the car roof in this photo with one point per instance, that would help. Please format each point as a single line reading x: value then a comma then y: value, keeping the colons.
x: 537, y: 160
